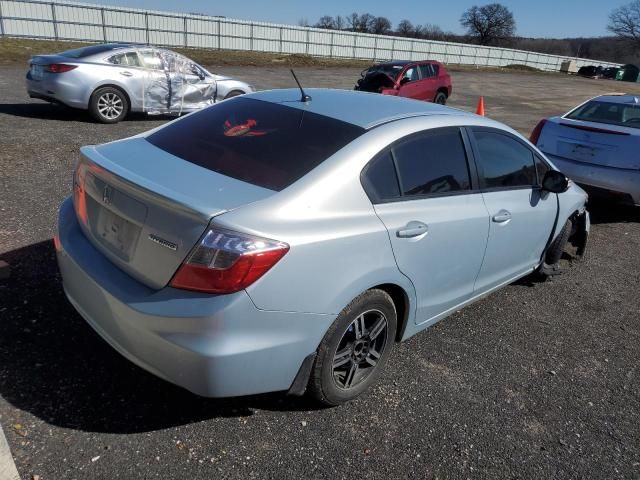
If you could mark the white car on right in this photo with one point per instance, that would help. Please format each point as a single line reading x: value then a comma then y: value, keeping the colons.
x: 597, y: 144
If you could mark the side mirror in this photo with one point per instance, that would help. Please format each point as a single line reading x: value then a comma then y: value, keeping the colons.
x: 555, y: 182
x: 404, y: 80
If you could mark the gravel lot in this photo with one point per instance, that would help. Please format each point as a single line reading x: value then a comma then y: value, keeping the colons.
x: 539, y: 380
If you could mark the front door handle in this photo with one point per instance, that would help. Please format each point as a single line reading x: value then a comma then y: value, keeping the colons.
x: 502, y: 216
x: 412, y: 229
x: 126, y: 74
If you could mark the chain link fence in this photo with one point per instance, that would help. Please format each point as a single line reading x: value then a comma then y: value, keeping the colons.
x: 62, y: 20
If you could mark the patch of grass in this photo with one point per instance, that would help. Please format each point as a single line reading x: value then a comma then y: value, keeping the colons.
x: 523, y: 68
x: 19, y: 50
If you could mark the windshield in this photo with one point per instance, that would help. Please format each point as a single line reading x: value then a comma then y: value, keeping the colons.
x: 262, y: 143
x: 92, y: 50
x: 389, y: 69
x: 623, y: 114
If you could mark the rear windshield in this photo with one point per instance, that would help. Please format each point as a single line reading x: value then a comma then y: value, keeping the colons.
x: 92, y: 50
x: 623, y: 114
x: 262, y: 143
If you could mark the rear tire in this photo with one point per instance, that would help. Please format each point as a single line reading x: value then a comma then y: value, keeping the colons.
x: 441, y: 98
x: 109, y: 105
x: 355, y: 349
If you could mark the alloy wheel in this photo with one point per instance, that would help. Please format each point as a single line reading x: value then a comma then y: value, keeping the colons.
x: 110, y: 105
x: 359, y: 349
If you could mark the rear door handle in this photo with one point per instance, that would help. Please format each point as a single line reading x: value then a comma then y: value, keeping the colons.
x: 502, y: 216
x: 412, y: 229
x: 126, y: 74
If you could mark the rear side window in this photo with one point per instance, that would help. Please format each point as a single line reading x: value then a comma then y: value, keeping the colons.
x: 433, y: 163
x: 503, y: 161
x: 266, y: 144
x: 130, y: 59
x: 380, y: 180
x: 426, y: 70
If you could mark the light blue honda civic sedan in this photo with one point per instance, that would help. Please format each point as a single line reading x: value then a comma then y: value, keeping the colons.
x: 279, y: 243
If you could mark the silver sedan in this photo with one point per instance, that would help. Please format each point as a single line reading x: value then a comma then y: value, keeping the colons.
x: 111, y: 80
x: 284, y: 241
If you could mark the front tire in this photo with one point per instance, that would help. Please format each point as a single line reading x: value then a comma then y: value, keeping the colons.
x: 551, y: 264
x: 233, y: 93
x: 108, y: 105
x: 355, y: 349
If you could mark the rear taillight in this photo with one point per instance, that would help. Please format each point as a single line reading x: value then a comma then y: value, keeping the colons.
x: 225, y: 262
x: 535, y: 135
x: 60, y: 67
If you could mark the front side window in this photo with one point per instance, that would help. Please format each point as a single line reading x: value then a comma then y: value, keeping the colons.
x: 433, y: 163
x: 410, y: 75
x: 151, y: 59
x: 542, y: 168
x: 503, y: 161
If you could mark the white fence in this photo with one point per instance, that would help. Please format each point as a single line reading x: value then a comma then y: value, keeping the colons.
x: 62, y: 20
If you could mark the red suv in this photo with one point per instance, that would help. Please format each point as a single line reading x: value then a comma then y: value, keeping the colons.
x: 423, y: 80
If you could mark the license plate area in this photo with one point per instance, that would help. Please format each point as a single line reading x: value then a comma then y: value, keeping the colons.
x: 114, y: 218
x: 576, y: 151
x: 37, y: 72
x: 116, y: 233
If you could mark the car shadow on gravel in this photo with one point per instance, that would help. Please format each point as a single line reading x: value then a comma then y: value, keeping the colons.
x: 52, y: 111
x: 609, y: 211
x: 53, y: 365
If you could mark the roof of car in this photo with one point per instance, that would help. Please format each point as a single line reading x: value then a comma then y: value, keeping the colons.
x: 363, y: 109
x: 619, y: 98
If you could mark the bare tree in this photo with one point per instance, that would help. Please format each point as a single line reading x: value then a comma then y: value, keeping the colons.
x: 327, y: 22
x: 339, y: 22
x: 380, y: 26
x: 430, y: 32
x: 624, y: 22
x: 303, y: 22
x: 405, y: 28
x: 489, y: 23
x: 365, y: 22
x: 353, y: 22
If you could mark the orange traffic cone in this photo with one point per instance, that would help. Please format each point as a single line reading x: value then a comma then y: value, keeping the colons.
x: 480, y: 109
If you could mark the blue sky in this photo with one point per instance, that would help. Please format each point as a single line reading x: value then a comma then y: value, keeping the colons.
x: 534, y: 18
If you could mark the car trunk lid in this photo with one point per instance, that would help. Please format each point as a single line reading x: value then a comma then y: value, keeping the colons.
x: 593, y: 143
x: 145, y: 208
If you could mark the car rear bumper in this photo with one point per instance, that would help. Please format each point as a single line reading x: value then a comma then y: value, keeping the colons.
x: 617, y: 180
x: 57, y: 90
x: 212, y: 345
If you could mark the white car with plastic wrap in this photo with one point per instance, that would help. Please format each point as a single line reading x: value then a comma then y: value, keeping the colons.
x: 111, y: 80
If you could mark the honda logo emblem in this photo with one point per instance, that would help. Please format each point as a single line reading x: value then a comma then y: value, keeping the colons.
x: 107, y: 194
